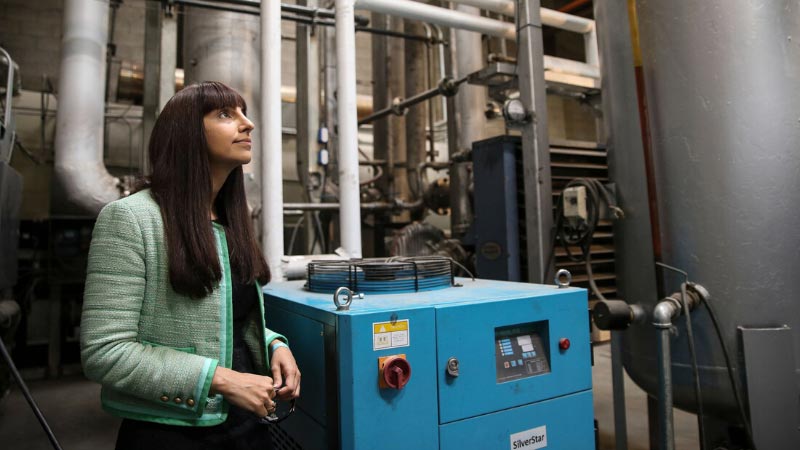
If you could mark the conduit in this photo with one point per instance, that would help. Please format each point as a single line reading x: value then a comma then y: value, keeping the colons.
x: 79, y: 121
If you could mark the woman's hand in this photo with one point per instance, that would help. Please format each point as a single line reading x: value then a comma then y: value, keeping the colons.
x: 285, y: 373
x: 254, y: 393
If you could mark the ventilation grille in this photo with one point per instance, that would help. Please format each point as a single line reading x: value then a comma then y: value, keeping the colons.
x: 578, y: 159
x: 381, y: 275
x: 570, y: 160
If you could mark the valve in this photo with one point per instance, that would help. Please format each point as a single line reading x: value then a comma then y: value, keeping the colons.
x: 394, y: 371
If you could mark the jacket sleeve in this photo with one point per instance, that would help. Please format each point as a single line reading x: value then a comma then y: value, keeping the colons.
x: 111, y: 352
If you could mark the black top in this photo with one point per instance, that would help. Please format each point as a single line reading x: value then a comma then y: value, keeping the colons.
x: 241, y: 431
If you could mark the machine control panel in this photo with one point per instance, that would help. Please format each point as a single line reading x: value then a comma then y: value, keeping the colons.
x: 521, y: 351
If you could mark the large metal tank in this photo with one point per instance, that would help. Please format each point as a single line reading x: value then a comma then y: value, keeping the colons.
x: 723, y: 98
x: 224, y: 46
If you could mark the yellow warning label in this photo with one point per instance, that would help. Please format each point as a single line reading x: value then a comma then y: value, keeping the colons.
x: 390, y: 334
x: 388, y: 327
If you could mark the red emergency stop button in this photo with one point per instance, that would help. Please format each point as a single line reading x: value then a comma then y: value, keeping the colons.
x: 563, y: 344
x: 396, y: 372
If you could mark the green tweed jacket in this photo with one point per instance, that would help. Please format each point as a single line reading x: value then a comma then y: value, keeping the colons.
x: 155, y: 351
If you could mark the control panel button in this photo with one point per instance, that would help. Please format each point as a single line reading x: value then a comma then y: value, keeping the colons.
x: 563, y: 344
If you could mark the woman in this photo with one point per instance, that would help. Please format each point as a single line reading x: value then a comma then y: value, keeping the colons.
x: 173, y: 315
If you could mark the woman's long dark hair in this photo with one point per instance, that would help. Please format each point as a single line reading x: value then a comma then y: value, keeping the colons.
x: 180, y: 183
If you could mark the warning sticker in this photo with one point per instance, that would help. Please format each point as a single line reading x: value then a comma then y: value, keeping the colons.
x: 390, y: 334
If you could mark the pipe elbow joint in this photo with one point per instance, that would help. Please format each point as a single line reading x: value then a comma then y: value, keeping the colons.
x: 664, y: 312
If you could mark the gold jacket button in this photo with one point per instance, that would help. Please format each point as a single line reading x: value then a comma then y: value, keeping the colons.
x: 190, y: 402
x: 178, y: 400
x: 164, y: 398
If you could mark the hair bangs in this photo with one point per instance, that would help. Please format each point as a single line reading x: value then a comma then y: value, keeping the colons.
x: 217, y: 95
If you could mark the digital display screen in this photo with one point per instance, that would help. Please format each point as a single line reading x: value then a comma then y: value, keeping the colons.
x: 521, y: 351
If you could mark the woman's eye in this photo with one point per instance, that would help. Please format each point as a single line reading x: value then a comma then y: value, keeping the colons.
x: 224, y: 115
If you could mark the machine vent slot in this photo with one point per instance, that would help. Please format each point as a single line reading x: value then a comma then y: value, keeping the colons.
x: 381, y: 275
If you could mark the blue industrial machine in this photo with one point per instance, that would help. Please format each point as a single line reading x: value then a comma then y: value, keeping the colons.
x: 468, y: 364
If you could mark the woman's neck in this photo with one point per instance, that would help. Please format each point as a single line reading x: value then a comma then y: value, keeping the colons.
x: 218, y: 177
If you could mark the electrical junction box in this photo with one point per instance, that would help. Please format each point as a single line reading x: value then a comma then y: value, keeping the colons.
x: 575, y: 203
x: 480, y: 365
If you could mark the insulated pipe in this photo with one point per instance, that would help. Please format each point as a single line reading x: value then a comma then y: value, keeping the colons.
x: 224, y: 46
x: 350, y: 212
x: 440, y: 16
x: 556, y: 64
x: 272, y: 132
x: 550, y: 17
x: 79, y: 120
x: 506, y: 7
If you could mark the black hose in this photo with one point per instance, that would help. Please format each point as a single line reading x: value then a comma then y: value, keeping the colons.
x: 29, y: 397
x: 583, y: 236
x: 731, y: 377
x: 695, y: 371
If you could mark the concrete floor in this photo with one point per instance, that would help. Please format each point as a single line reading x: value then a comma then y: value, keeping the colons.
x: 686, y: 435
x: 72, y: 406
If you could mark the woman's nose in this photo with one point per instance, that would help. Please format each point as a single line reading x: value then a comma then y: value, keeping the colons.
x: 246, y: 124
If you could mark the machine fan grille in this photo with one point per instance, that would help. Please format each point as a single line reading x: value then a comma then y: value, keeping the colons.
x: 381, y: 275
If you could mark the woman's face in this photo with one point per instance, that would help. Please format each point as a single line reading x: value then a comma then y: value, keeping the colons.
x: 228, y: 137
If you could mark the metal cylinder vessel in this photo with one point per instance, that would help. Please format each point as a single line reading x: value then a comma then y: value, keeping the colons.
x: 722, y: 81
x: 224, y: 46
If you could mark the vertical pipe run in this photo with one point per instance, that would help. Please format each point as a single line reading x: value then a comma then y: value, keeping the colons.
x: 350, y: 211
x: 665, y: 419
x: 79, y: 120
x: 535, y: 144
x: 470, y: 103
x: 271, y: 124
x: 225, y: 46
x: 415, y: 118
x: 307, y: 113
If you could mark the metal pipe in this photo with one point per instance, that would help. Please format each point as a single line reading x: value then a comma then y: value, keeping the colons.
x: 271, y: 126
x: 373, y: 206
x: 572, y: 67
x: 350, y: 213
x: 79, y: 120
x: 549, y: 17
x: 471, y: 120
x: 506, y: 7
x: 665, y: 418
x: 446, y: 87
x: 666, y: 310
x: 225, y: 47
x: 441, y: 16
x: 415, y: 118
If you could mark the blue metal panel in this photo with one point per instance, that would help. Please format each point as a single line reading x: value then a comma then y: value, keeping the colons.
x: 341, y: 396
x: 467, y: 332
x: 387, y: 418
x: 568, y: 421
